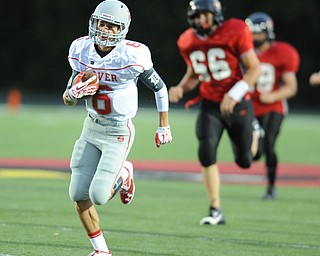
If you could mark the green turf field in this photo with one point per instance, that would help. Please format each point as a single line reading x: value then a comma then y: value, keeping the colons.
x: 37, y: 218
x: 50, y: 132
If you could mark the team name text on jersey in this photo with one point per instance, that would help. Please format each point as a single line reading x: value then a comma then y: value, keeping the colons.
x: 107, y: 77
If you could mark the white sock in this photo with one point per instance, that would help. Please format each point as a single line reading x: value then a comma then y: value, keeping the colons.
x: 98, y: 242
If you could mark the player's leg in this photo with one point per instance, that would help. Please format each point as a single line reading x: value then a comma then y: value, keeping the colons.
x: 84, y: 161
x: 212, y: 184
x: 114, y: 141
x: 209, y: 131
x: 259, y: 125
x: 83, y: 164
x: 212, y: 181
x: 240, y: 131
x: 258, y: 134
x: 90, y: 221
x: 273, y: 122
x: 112, y: 165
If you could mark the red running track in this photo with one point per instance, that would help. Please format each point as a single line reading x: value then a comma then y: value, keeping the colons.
x: 288, y: 174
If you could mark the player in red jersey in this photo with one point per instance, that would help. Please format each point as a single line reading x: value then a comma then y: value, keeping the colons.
x: 278, y: 82
x: 220, y: 56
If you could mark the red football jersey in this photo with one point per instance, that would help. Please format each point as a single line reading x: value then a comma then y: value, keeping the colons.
x: 279, y: 58
x: 216, y: 58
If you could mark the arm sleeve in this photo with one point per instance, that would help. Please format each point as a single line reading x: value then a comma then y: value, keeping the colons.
x: 153, y: 81
x: 162, y: 99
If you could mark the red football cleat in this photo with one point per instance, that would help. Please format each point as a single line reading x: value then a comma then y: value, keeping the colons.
x: 128, y: 187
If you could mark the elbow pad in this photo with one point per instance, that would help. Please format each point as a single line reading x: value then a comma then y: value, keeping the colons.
x: 152, y: 80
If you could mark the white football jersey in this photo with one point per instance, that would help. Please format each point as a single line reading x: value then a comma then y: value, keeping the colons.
x: 118, y: 71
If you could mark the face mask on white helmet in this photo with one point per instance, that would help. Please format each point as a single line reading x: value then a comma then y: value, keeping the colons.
x: 111, y: 11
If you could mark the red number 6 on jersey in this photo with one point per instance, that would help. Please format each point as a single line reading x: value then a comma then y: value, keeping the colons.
x: 101, y: 102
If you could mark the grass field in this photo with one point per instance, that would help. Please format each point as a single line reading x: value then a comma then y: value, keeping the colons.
x: 50, y: 132
x: 37, y: 217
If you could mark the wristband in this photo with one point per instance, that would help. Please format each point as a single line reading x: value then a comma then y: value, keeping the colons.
x: 69, y: 96
x: 239, y: 89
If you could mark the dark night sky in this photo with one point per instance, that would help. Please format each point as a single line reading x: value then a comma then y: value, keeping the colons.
x: 36, y: 35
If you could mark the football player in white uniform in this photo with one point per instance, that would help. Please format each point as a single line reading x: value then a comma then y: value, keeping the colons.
x: 98, y: 163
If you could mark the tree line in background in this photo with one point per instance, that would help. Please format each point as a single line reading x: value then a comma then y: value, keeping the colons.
x: 36, y: 36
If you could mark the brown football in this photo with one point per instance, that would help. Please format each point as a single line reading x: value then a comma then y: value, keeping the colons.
x: 86, y: 76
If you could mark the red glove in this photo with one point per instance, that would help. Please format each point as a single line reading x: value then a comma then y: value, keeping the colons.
x: 163, y: 136
x: 86, y: 88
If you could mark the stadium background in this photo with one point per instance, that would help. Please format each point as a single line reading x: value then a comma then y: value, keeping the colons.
x: 36, y: 214
x: 36, y: 35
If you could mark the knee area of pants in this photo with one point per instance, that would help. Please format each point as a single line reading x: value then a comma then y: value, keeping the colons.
x: 76, y: 197
x: 244, y: 164
x: 206, y: 160
x: 206, y: 163
x: 97, y: 199
x: 257, y: 156
x: 99, y: 202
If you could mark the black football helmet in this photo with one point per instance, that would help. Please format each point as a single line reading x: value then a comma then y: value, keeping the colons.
x: 261, y: 22
x: 196, y: 6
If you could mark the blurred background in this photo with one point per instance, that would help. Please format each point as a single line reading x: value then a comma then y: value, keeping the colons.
x: 36, y: 35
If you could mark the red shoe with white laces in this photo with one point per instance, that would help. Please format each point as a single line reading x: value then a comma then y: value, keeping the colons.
x: 128, y: 187
x: 102, y: 253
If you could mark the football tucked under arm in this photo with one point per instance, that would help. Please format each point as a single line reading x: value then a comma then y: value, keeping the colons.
x: 84, y: 84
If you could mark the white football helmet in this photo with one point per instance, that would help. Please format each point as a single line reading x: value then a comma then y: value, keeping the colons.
x: 112, y: 11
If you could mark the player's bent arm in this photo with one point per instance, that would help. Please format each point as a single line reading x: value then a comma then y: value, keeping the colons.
x: 288, y: 89
x: 242, y: 87
x: 188, y: 82
x: 252, y: 66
